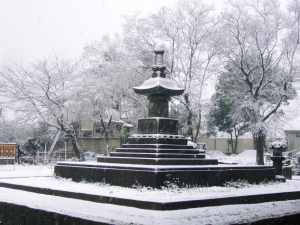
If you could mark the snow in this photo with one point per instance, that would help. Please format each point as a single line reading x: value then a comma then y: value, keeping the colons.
x: 160, y: 84
x: 247, y: 157
x: 159, y: 81
x: 42, y: 176
x: 114, y: 214
x: 13, y: 171
x: 162, y: 167
x: 170, y: 194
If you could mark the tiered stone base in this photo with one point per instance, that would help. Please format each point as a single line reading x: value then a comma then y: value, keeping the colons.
x: 156, y: 160
x: 127, y: 175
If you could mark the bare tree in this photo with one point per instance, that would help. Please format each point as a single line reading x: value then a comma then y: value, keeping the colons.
x: 106, y: 130
x: 43, y: 91
x: 12, y: 131
x: 110, y: 75
x: 261, y: 49
x: 186, y: 31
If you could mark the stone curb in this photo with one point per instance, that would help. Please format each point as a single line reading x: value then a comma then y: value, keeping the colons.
x: 250, y: 199
x: 19, y: 214
x: 286, y: 220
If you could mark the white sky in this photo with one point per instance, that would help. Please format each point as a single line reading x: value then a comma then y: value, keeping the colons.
x: 36, y: 28
x: 31, y: 29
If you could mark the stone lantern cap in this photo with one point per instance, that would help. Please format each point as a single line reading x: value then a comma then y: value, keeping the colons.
x: 159, y: 84
x: 278, y: 144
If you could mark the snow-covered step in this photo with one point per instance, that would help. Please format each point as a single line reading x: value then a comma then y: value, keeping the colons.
x: 156, y: 155
x: 158, y: 161
x: 159, y: 150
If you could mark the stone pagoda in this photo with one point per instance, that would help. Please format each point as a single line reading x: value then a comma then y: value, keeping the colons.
x: 157, y: 155
x: 157, y: 141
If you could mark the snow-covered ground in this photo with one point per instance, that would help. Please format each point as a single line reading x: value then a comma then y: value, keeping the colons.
x: 14, y: 171
x: 42, y: 176
x: 169, y: 194
x: 247, y: 157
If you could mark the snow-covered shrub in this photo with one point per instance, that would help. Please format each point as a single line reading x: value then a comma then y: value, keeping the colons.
x: 294, y: 159
x: 237, y: 184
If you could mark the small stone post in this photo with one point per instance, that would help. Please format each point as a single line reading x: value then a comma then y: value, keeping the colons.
x: 277, y: 158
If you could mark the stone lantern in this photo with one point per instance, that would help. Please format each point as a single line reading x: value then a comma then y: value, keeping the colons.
x: 278, y: 147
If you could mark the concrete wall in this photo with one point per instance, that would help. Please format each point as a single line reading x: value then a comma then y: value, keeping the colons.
x: 293, y: 137
x: 97, y: 145
x: 222, y: 144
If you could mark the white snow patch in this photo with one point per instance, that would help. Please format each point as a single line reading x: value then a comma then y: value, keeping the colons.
x: 115, y: 214
x: 247, y: 157
x: 156, y: 195
x: 7, y: 171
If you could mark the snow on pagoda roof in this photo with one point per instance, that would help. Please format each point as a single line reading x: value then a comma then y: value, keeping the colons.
x: 159, y: 85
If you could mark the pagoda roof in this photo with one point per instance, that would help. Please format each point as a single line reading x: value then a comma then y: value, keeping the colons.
x: 159, y: 86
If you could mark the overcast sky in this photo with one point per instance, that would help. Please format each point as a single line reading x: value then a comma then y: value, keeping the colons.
x: 32, y: 29
x: 35, y: 28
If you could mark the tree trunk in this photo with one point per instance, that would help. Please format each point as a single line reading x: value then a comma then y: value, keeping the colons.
x: 107, y: 129
x: 259, y: 141
x: 189, y: 116
x: 236, y: 134
x: 198, y: 126
x: 236, y: 144
x: 231, y: 143
x: 189, y: 125
x: 76, y: 148
x: 107, y: 144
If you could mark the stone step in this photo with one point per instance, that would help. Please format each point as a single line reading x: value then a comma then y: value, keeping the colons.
x: 174, y: 141
x: 165, y: 146
x: 158, y: 161
x: 160, y: 150
x: 155, y: 155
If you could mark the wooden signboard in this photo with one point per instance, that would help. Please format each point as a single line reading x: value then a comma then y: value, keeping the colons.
x: 8, y: 151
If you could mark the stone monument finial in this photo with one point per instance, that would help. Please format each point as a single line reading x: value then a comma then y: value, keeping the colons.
x: 159, y: 52
x: 159, y: 84
x: 159, y: 88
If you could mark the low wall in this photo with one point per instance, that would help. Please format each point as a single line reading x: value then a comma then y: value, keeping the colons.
x: 98, y: 145
x: 11, y: 214
x: 222, y: 144
x: 7, y: 161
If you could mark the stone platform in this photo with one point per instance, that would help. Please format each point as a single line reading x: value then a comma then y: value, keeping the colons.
x: 156, y: 176
x: 157, y: 160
